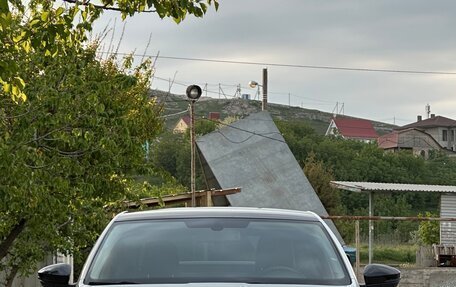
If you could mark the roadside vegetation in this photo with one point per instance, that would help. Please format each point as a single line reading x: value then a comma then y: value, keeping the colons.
x: 328, y: 158
x: 72, y: 127
x: 398, y: 254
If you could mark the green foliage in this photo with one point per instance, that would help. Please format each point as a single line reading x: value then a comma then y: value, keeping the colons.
x: 320, y: 178
x: 48, y: 28
x: 171, y: 154
x: 429, y: 231
x: 68, y: 151
x: 204, y: 126
x: 356, y: 161
x: 71, y: 128
x: 390, y: 254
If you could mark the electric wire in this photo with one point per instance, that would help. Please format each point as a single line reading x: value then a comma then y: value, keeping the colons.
x: 175, y: 114
x: 320, y: 67
x: 247, y: 131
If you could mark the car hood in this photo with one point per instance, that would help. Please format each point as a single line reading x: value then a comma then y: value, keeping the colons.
x: 221, y: 285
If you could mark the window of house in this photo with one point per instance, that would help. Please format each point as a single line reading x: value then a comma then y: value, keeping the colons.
x: 444, y: 135
x: 452, y: 135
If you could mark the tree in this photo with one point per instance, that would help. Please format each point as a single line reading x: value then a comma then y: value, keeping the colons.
x: 71, y: 128
x: 356, y: 161
x: 171, y: 153
x: 320, y: 179
x: 429, y: 231
x: 47, y: 28
x: 68, y: 151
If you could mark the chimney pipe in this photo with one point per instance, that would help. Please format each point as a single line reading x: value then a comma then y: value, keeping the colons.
x: 432, y: 116
x: 419, y: 118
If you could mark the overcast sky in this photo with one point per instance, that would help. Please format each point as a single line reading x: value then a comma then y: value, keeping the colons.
x: 398, y: 35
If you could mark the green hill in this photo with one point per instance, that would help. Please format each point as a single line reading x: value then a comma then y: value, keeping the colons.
x: 240, y: 108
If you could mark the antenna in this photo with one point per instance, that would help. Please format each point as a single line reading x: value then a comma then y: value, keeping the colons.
x: 427, y: 110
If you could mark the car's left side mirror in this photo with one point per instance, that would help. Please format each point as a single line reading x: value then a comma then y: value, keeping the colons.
x: 380, y: 275
x: 57, y: 275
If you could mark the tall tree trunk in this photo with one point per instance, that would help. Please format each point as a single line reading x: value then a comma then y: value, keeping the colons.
x: 14, y: 233
x: 11, y: 276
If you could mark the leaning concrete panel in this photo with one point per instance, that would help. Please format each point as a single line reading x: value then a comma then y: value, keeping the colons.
x: 253, y: 155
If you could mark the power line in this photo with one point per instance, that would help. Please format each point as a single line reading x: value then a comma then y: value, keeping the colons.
x: 175, y: 114
x: 181, y: 83
x: 247, y: 131
x: 399, y: 71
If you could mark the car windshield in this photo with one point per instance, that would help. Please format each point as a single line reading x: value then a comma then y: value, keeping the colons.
x: 217, y: 250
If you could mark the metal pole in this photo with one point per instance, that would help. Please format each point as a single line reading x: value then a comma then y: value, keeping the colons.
x: 357, y: 263
x: 371, y: 228
x: 192, y: 152
x: 264, y: 106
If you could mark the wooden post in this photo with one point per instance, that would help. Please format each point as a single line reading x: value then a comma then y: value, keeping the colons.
x: 264, y: 106
x: 192, y: 151
x: 209, y: 198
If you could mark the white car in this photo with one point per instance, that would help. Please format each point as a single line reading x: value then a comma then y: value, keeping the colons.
x: 221, y: 247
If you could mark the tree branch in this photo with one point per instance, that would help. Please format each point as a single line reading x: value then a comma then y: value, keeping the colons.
x: 104, y: 7
x: 14, y: 233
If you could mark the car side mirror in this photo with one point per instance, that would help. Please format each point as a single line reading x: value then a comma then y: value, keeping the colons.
x: 380, y: 275
x: 56, y: 275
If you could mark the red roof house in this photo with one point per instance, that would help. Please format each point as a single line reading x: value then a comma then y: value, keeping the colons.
x: 182, y: 125
x: 351, y: 128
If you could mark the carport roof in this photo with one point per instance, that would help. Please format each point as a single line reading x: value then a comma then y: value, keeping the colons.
x: 391, y: 187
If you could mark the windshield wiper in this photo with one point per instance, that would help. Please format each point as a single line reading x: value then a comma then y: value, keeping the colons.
x: 112, y: 282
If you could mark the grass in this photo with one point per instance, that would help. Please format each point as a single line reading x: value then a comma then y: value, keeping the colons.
x: 390, y: 254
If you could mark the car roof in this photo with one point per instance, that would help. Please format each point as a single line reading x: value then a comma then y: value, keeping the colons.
x: 204, y: 212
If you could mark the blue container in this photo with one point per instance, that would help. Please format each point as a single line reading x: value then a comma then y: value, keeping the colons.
x: 351, y: 253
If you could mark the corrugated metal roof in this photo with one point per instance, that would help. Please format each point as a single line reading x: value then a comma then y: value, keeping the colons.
x: 251, y: 153
x: 389, y: 187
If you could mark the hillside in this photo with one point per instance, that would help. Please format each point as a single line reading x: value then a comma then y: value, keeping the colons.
x: 240, y: 108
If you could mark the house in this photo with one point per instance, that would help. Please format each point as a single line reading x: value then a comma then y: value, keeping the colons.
x: 182, y: 125
x: 351, y: 128
x: 434, y: 133
x: 442, y: 129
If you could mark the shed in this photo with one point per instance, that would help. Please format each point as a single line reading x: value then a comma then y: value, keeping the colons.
x: 447, y: 202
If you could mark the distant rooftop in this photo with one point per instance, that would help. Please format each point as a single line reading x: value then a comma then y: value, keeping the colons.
x: 355, y: 128
x: 186, y: 119
x: 437, y: 121
x: 390, y: 187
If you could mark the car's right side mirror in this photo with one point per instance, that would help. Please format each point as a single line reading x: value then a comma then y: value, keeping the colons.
x: 56, y: 275
x: 379, y: 275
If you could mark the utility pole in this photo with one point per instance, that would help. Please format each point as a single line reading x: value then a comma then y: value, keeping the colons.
x: 193, y: 94
x: 289, y: 100
x: 238, y: 91
x: 264, y: 105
